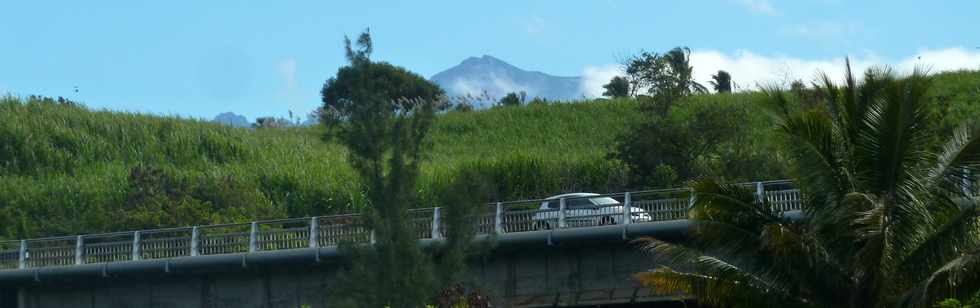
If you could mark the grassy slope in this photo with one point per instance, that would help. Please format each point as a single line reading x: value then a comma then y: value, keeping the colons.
x: 66, y: 169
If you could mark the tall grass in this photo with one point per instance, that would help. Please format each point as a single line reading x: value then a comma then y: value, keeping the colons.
x: 67, y: 169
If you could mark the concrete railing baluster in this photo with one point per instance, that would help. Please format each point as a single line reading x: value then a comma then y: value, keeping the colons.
x: 195, y: 239
x: 627, y: 209
x: 561, y: 213
x: 79, y: 250
x: 498, y: 219
x: 253, y: 234
x: 314, y: 230
x: 435, y: 224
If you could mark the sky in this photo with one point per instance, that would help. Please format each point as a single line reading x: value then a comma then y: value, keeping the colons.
x: 266, y: 58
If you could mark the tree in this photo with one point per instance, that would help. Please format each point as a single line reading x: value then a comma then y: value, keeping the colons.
x: 463, y: 200
x: 666, y: 78
x: 617, y: 87
x: 665, y: 150
x: 888, y: 217
x: 722, y: 82
x: 513, y: 99
x: 679, y: 59
x: 270, y: 122
x: 382, y: 114
x: 401, y: 88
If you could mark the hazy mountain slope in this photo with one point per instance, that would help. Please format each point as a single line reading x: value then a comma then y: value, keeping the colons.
x: 474, y: 76
x: 232, y: 119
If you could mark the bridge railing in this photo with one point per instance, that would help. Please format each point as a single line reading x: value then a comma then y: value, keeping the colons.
x: 570, y: 211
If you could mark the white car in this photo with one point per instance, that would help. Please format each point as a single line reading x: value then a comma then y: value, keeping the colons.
x: 581, y: 210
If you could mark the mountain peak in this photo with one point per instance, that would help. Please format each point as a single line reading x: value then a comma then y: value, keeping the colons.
x: 488, y: 75
x: 484, y: 60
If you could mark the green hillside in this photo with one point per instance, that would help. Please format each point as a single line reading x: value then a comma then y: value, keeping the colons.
x: 67, y: 169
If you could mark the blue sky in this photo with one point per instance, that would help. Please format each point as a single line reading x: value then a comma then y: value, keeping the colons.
x: 200, y: 58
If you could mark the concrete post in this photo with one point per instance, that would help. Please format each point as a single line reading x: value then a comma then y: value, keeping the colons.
x: 627, y: 209
x: 253, y: 237
x: 760, y: 192
x: 314, y: 232
x: 22, y: 257
x: 561, y: 213
x: 79, y: 250
x: 136, y: 245
x: 690, y: 198
x: 498, y: 219
x: 195, y: 239
x: 435, y: 224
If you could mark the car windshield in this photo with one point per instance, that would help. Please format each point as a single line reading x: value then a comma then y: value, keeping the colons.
x: 604, y: 201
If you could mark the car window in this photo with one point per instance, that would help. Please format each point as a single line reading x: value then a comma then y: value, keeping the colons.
x: 604, y: 201
x: 577, y: 203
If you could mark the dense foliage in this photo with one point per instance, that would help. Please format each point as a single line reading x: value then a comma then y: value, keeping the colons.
x: 618, y: 86
x: 721, y: 136
x: 889, y: 220
x: 972, y: 302
x: 66, y: 169
x: 512, y: 99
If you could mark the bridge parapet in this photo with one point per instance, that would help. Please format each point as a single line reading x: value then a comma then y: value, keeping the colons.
x: 573, y: 211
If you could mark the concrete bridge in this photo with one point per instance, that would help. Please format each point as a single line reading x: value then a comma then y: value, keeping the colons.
x: 571, y: 252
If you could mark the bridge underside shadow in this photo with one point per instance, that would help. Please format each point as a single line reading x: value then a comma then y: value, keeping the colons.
x: 572, y: 274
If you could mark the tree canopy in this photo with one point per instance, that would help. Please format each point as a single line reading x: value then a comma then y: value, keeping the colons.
x: 889, y: 220
x: 401, y: 88
x: 665, y: 77
x: 721, y: 82
x: 618, y: 86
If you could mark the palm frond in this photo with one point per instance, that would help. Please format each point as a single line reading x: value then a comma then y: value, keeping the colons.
x: 731, y: 204
x: 727, y: 288
x: 960, y: 232
x: 949, y: 174
x: 959, y: 275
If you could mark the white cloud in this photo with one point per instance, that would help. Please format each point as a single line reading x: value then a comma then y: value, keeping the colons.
x: 758, y: 6
x: 289, y: 92
x: 493, y: 85
x: 465, y: 87
x: 949, y: 59
x: 287, y: 70
x: 750, y: 70
x: 594, y: 77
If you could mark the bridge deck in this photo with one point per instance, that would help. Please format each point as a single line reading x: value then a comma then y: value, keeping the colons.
x: 502, y: 218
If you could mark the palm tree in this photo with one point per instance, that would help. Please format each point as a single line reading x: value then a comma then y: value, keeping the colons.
x: 679, y: 61
x: 887, y: 215
x: 722, y: 82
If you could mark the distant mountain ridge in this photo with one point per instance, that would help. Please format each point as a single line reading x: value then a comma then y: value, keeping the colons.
x: 232, y: 119
x: 476, y: 76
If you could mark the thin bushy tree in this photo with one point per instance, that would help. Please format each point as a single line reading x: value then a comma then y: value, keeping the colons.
x: 382, y: 114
